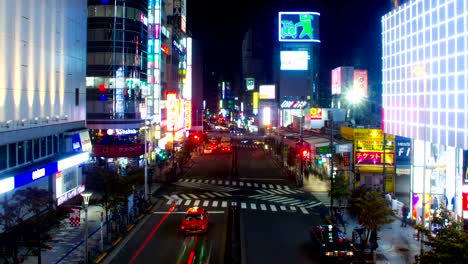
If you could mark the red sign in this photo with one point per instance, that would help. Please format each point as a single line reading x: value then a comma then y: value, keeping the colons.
x: 316, y: 114
x: 346, y: 157
x: 75, y: 216
x: 374, y: 158
x: 133, y: 150
x: 464, y: 201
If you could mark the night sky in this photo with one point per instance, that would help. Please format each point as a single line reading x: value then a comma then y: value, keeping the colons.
x: 350, y: 31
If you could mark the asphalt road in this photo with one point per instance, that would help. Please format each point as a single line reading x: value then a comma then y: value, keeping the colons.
x: 256, y: 216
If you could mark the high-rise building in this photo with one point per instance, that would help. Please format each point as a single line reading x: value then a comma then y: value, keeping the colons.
x: 425, y: 101
x: 116, y: 78
x: 43, y: 139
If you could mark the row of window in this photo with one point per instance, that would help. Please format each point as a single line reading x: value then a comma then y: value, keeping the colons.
x: 21, y: 153
x: 107, y: 58
x: 120, y: 11
x: 105, y: 34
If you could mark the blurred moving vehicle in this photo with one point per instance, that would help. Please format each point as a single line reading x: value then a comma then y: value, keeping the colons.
x: 332, y: 243
x: 209, y: 148
x: 195, y: 221
x: 225, y: 144
x: 195, y: 250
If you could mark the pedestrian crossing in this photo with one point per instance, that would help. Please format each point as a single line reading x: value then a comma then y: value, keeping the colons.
x: 287, y: 201
x: 246, y: 146
x: 235, y: 184
x: 203, y: 195
x: 322, y: 197
x: 250, y: 206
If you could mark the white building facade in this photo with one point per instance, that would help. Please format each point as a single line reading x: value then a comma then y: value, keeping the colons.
x: 43, y: 140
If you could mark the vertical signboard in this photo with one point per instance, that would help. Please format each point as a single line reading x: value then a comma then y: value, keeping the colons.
x: 172, y: 111
x: 403, y: 151
x: 336, y: 81
x: 188, y: 114
x: 183, y: 15
x: 255, y: 102
x: 360, y: 82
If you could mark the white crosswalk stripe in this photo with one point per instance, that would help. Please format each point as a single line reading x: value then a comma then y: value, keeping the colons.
x: 271, y: 186
x: 167, y: 197
x: 220, y: 182
x: 218, y: 194
x: 215, y: 204
x: 188, y: 202
x: 278, y: 187
x: 213, y: 181
x: 263, y: 186
x: 192, y: 195
x: 304, y: 210
x: 241, y: 183
x: 234, y: 183
x: 283, y: 208
x: 179, y: 202
x: 206, y: 203
x: 261, y: 191
x: 255, y: 185
x: 169, y: 202
x: 203, y: 196
x: 186, y: 197
x: 224, y: 204
x: 243, y: 205
x: 226, y: 194
x: 233, y: 203
x: 206, y: 181
x: 253, y: 206
x: 273, y: 207
x: 210, y: 195
x: 227, y: 182
x: 249, y: 185
x: 196, y: 203
x: 292, y: 208
x: 263, y: 207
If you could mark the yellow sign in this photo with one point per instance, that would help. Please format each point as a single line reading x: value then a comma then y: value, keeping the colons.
x: 188, y: 114
x: 255, y: 100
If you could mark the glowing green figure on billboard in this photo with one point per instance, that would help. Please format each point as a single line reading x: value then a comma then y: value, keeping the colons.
x: 289, y: 29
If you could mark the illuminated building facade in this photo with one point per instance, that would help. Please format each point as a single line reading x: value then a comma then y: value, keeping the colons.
x: 425, y: 99
x: 43, y: 139
x: 116, y: 78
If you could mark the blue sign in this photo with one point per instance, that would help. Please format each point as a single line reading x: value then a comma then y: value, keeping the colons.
x: 76, y: 143
x: 36, y: 174
x: 403, y: 150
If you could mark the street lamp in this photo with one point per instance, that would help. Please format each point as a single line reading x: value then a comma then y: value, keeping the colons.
x: 86, y: 196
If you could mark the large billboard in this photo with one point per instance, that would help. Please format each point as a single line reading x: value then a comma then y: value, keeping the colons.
x: 267, y: 91
x: 298, y: 26
x: 295, y: 60
x: 360, y: 82
x: 424, y: 73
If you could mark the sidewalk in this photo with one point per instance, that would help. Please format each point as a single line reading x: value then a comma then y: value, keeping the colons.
x: 396, y: 244
x: 67, y: 244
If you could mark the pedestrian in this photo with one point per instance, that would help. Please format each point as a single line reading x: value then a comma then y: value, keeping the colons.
x: 404, y: 215
x: 339, y: 219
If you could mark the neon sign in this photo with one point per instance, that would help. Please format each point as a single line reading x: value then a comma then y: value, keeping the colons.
x: 298, y: 26
x: 288, y: 104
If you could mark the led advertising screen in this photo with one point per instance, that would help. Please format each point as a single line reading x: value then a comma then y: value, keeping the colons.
x: 298, y: 26
x: 294, y: 60
x: 424, y: 73
x: 266, y: 91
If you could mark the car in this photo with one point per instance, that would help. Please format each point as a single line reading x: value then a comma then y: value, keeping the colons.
x: 195, y: 221
x: 332, y: 243
x: 209, y: 149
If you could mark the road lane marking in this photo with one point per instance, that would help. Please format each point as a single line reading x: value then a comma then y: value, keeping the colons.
x: 220, y: 182
x: 193, y: 180
x: 278, y: 187
x: 304, y: 210
x: 186, y: 197
x: 253, y: 206
x: 226, y: 182
x: 179, y: 202
x: 192, y: 195
x: 233, y: 203
x: 263, y: 207
x: 205, y: 203
x: 273, y: 207
x: 199, y: 181
x: 169, y: 202
x: 270, y: 186
x: 283, y: 208
x: 196, y: 203
x: 260, y: 191
x: 263, y: 186
x: 249, y: 185
x: 226, y: 194
x: 215, y: 204
x: 167, y: 197
x: 261, y: 179
x: 314, y: 205
x: 224, y: 204
x: 243, y: 205
x: 234, y: 183
x: 292, y: 208
x: 276, y: 191
x: 218, y: 194
x: 210, y: 195
x: 255, y: 185
x: 188, y: 202
x: 203, y: 196
x: 213, y: 181
x: 241, y: 183
x: 206, y: 181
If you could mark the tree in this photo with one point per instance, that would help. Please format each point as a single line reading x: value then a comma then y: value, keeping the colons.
x: 447, y: 243
x: 340, y: 188
x: 27, y: 217
x: 373, y: 212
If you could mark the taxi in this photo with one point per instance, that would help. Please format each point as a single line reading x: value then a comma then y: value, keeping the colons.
x: 195, y: 221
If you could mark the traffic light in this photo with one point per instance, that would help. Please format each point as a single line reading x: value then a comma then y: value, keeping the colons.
x: 319, y: 161
x: 102, y: 92
x: 305, y: 153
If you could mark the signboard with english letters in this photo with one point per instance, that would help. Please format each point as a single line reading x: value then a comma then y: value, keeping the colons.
x: 403, y: 150
x: 293, y: 104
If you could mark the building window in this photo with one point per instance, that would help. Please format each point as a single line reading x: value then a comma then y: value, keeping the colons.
x: 12, y: 155
x: 43, y: 146
x: 3, y: 157
x: 56, y: 145
x: 21, y: 153
x: 49, y: 145
x: 29, y: 150
x: 36, y: 148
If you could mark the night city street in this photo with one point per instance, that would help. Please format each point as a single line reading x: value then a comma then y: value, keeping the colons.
x: 269, y: 214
